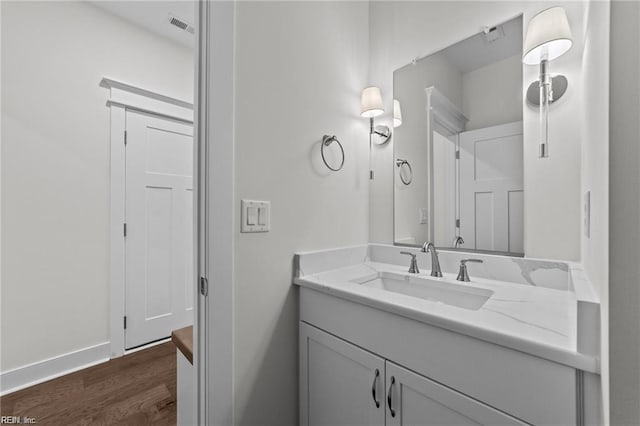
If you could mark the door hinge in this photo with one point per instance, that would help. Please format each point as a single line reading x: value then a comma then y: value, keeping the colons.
x: 124, y: 230
x: 457, y: 154
x: 457, y: 223
x: 204, y: 286
x: 125, y: 322
x: 125, y: 137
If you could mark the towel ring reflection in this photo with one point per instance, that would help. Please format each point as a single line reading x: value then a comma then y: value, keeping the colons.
x: 326, y: 141
x: 401, y: 163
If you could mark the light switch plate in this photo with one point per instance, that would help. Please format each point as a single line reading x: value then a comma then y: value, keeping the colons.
x: 255, y: 216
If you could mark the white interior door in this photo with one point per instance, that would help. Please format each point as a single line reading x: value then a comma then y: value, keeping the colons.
x: 491, y: 188
x: 159, y: 228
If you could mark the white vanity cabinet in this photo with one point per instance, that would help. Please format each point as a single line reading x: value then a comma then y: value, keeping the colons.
x: 414, y: 400
x: 441, y: 376
x: 342, y: 384
x: 519, y: 345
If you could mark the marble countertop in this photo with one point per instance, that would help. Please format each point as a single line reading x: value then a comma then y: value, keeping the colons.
x: 536, y: 320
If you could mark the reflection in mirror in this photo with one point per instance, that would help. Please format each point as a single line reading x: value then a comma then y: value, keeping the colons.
x: 461, y: 134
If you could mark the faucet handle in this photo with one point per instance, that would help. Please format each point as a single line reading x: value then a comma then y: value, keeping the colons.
x: 413, y: 268
x: 463, y: 275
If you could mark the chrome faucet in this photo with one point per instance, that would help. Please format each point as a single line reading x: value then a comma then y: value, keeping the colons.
x: 463, y: 275
x: 457, y: 241
x: 435, y: 263
x: 413, y: 268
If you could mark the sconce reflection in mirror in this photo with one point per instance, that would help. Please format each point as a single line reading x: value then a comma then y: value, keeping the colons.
x: 548, y: 37
x: 327, y: 141
x: 404, y: 171
x: 397, y: 114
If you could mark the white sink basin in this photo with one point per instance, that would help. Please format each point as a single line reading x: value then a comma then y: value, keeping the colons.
x: 461, y: 296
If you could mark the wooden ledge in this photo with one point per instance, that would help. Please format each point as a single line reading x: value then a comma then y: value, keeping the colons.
x: 183, y: 339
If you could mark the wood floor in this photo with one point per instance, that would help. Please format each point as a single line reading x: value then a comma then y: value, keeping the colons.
x: 137, y: 389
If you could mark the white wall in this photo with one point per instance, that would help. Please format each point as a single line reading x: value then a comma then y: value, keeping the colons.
x: 492, y: 95
x: 300, y: 69
x: 55, y: 166
x: 552, y: 200
x: 595, y: 165
x: 405, y: 30
x: 624, y: 211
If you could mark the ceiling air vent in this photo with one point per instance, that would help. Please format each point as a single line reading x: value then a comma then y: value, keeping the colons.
x: 181, y: 24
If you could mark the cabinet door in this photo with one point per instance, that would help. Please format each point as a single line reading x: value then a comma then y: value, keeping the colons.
x: 414, y: 400
x: 340, y: 384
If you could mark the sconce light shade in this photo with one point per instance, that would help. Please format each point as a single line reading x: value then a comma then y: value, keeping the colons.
x: 371, y: 102
x: 548, y: 34
x: 397, y: 113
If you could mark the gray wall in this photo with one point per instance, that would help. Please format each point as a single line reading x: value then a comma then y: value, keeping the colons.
x: 300, y: 69
x: 624, y: 210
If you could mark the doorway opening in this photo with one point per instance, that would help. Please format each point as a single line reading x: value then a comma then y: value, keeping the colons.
x: 152, y: 209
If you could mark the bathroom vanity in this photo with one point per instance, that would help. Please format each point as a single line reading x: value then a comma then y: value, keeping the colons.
x: 518, y: 344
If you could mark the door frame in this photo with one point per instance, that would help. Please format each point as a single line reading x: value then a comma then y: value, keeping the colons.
x: 122, y: 97
x: 216, y: 223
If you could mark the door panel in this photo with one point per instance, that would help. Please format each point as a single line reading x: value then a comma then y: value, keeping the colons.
x: 414, y: 400
x: 158, y: 213
x: 491, y: 188
x: 158, y: 248
x: 338, y: 382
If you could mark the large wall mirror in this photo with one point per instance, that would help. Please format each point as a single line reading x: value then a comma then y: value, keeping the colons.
x: 458, y: 157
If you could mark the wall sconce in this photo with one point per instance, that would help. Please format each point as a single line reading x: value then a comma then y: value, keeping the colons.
x: 397, y: 113
x: 370, y: 107
x: 548, y: 37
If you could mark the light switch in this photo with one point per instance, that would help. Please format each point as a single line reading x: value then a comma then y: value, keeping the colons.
x: 252, y: 215
x: 255, y: 216
x: 262, y: 216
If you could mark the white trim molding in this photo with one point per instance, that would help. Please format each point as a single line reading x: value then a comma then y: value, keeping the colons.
x: 446, y: 117
x: 123, y: 97
x: 129, y: 96
x: 42, y: 371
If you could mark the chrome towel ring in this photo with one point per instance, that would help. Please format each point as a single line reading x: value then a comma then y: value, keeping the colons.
x: 326, y: 141
x: 400, y: 163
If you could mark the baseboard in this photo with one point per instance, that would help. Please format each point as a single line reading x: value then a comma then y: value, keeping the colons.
x: 41, y: 371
